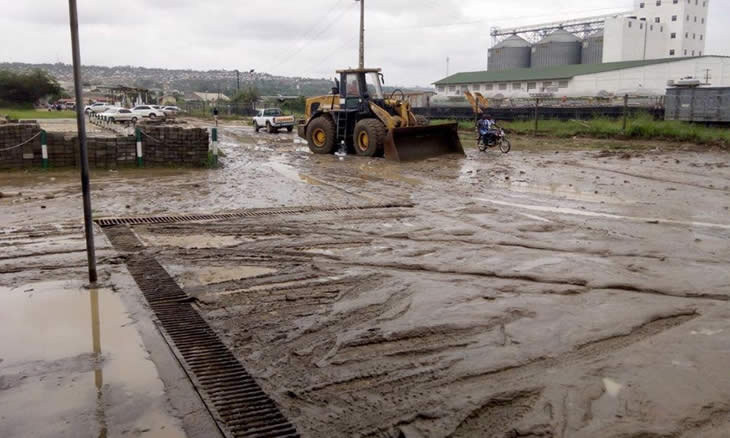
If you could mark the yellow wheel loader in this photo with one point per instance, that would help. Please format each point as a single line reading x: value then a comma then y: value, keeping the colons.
x: 358, y: 114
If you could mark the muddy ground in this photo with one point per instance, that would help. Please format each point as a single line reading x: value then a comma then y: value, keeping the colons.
x: 571, y: 288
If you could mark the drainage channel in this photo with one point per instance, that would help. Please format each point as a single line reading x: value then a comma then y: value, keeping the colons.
x: 238, y: 403
x: 240, y: 214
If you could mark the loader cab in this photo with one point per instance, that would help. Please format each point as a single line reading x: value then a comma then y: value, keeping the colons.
x: 359, y: 86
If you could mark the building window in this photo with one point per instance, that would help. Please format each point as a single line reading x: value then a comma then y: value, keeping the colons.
x: 701, y: 37
x: 629, y: 24
x: 488, y: 87
x: 502, y: 86
x: 700, y: 52
x: 658, y: 2
x: 671, y: 52
x: 641, y: 5
x: 531, y: 86
x: 674, y: 18
x: 441, y: 89
x: 688, y: 17
x: 686, y: 34
x: 673, y: 35
x: 675, y: 1
x: 641, y: 25
x: 695, y: 19
x: 685, y: 52
x: 657, y: 20
x: 563, y: 84
x: 516, y: 86
x: 452, y: 88
x: 694, y: 36
x: 546, y: 85
x: 693, y: 53
x: 651, y: 27
x: 703, y: 21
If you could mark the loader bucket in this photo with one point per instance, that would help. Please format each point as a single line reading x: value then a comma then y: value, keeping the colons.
x: 422, y: 142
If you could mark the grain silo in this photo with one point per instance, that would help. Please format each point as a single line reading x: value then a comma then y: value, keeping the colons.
x: 558, y: 48
x: 513, y: 52
x: 592, y: 51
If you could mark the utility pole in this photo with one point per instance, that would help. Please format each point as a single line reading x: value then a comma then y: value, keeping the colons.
x: 81, y: 126
x: 362, y: 33
x: 238, y: 81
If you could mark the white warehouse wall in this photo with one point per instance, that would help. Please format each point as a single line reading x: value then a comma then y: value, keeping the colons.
x: 649, y: 80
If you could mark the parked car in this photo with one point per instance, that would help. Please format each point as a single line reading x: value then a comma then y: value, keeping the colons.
x: 119, y: 115
x: 98, y: 107
x: 171, y: 110
x: 273, y: 119
x: 148, y: 111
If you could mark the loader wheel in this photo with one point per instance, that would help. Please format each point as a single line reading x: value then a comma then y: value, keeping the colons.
x: 321, y: 135
x: 369, y: 137
x: 422, y: 121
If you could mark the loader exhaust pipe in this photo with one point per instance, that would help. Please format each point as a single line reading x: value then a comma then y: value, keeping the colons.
x: 423, y: 142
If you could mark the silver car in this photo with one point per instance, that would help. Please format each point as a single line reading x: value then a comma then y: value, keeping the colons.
x: 119, y: 115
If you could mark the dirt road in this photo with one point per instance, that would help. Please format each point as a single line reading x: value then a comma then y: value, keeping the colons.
x: 553, y: 291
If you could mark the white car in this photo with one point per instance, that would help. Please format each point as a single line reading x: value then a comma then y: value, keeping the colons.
x: 119, y: 115
x: 171, y: 110
x: 96, y: 108
x: 148, y: 111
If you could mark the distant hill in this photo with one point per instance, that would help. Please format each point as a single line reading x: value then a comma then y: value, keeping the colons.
x: 184, y: 81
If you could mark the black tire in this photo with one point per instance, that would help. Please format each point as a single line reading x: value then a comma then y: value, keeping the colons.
x: 256, y: 126
x: 505, y: 146
x: 152, y: 116
x: 289, y: 128
x: 134, y: 120
x: 270, y: 128
x: 369, y: 137
x: 322, y: 135
x: 422, y: 121
x: 111, y: 120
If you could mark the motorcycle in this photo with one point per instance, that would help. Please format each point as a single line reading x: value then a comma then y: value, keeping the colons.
x: 494, y: 138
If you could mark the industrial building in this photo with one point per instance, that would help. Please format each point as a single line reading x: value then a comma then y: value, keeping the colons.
x: 636, y: 78
x: 657, y: 42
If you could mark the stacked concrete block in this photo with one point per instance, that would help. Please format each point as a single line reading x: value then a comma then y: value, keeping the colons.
x: 169, y: 146
x: 12, y: 135
x: 175, y: 145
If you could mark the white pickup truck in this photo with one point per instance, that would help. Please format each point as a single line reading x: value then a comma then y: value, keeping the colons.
x: 272, y: 119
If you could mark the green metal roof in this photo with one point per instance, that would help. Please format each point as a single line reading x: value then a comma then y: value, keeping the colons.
x: 549, y: 73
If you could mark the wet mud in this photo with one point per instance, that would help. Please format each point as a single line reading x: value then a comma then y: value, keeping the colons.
x: 546, y: 293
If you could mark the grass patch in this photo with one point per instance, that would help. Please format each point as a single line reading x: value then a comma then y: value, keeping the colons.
x: 29, y: 113
x: 640, y: 127
x: 463, y: 124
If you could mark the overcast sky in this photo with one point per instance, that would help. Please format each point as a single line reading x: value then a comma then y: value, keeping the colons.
x: 409, y: 39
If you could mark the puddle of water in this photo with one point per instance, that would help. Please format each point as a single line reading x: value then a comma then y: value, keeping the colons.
x: 72, y: 361
x: 291, y: 173
x: 191, y: 241
x: 575, y: 212
x: 188, y: 276
x: 388, y: 172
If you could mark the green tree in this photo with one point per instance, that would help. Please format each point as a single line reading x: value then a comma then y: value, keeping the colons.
x: 27, y: 88
x: 248, y: 96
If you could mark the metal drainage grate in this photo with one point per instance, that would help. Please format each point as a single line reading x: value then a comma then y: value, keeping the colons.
x: 245, y: 213
x: 229, y: 391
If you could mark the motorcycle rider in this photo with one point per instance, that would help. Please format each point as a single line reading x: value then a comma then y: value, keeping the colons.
x: 484, y: 126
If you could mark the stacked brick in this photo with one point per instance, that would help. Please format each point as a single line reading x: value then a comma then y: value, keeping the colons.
x: 175, y: 145
x: 13, y: 134
x: 169, y: 146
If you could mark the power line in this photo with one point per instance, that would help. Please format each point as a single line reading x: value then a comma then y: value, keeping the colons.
x: 322, y: 27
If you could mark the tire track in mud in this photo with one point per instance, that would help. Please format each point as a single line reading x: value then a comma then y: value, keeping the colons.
x: 495, y: 417
x: 650, y: 178
x: 583, y: 353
